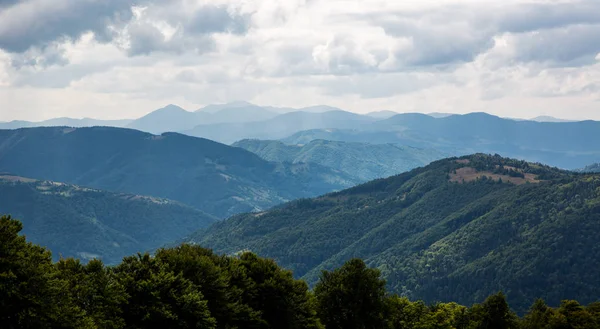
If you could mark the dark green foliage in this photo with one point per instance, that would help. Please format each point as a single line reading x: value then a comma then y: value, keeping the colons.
x: 438, y: 240
x: 159, y: 297
x: 32, y: 294
x: 191, y: 287
x: 496, y: 314
x: 360, y: 160
x: 218, y: 179
x: 73, y: 221
x: 351, y: 297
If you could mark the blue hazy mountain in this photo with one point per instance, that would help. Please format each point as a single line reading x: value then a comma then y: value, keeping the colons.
x: 218, y: 179
x: 567, y: 145
x: 280, y: 126
x: 361, y: 160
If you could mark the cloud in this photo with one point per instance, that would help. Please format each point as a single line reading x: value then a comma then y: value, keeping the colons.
x: 430, y: 55
x: 30, y: 23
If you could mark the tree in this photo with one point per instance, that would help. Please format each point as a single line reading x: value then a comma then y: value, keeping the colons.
x: 159, y: 298
x: 352, y: 296
x: 496, y: 314
x: 31, y: 293
x: 285, y: 303
x: 95, y: 290
x: 212, y: 276
x: 538, y: 317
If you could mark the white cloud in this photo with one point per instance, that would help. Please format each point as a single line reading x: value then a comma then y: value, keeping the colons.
x: 110, y: 59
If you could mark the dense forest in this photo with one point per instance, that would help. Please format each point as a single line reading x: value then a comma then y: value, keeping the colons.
x: 75, y: 221
x: 457, y: 230
x: 192, y: 287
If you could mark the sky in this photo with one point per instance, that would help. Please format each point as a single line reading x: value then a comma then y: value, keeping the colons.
x: 111, y: 59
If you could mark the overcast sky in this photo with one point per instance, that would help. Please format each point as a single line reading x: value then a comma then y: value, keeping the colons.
x: 122, y: 58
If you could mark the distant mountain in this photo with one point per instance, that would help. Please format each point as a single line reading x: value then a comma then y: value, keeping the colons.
x: 438, y: 115
x: 593, y: 168
x: 360, y: 160
x: 218, y: 179
x: 280, y: 126
x: 545, y: 118
x: 458, y: 229
x: 382, y: 114
x: 318, y: 109
x: 236, y: 114
x: 68, y: 122
x: 88, y: 223
x: 173, y: 118
x: 344, y: 135
x: 567, y: 145
x: 167, y: 119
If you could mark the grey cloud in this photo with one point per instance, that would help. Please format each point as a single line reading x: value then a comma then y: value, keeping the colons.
x: 194, y: 29
x: 37, y: 23
x: 575, y: 45
x: 459, y: 33
x: 30, y: 23
x: 212, y: 19
x: 43, y: 57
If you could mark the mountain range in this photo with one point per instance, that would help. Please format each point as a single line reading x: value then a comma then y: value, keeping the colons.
x: 558, y: 142
x: 457, y: 229
x: 68, y: 122
x: 567, y: 145
x: 360, y: 160
x: 86, y: 223
x: 218, y: 179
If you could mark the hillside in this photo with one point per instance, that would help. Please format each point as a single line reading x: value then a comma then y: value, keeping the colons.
x: 361, y: 160
x: 215, y: 178
x: 74, y: 221
x: 280, y: 126
x: 568, y: 145
x: 457, y: 229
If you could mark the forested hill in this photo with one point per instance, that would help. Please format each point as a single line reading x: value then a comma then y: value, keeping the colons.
x: 361, y: 160
x: 457, y: 229
x: 218, y: 179
x: 74, y: 221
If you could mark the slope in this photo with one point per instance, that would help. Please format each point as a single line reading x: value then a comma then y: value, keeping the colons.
x: 87, y: 223
x: 280, y: 126
x: 458, y: 229
x: 568, y: 145
x: 216, y: 178
x: 361, y: 160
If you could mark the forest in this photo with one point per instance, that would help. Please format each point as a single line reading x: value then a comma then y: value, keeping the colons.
x: 191, y: 287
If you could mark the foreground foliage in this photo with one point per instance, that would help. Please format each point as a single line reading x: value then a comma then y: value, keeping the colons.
x: 191, y: 287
